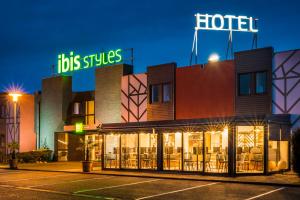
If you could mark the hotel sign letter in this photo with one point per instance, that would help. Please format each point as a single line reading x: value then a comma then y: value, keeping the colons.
x: 72, y: 62
x: 225, y: 23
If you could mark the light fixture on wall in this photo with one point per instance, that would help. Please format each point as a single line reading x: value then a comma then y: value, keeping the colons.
x: 214, y: 57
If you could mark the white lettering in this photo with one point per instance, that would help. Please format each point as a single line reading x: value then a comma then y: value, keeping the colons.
x: 229, y: 17
x: 251, y: 29
x: 214, y: 26
x: 225, y: 23
x: 241, y: 23
x: 202, y: 19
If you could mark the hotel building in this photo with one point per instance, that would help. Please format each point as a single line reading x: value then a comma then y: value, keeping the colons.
x: 228, y: 117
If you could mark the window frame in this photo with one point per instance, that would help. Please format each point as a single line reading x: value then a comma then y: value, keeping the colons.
x: 163, y: 92
x: 250, y: 84
x: 255, y: 83
x: 159, y: 94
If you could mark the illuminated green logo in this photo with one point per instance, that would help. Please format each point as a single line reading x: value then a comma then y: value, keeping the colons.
x: 73, y: 62
x: 78, y: 128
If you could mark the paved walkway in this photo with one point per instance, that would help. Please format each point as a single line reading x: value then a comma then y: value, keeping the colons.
x: 286, y: 179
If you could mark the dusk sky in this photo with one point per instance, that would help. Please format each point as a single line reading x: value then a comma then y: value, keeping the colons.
x: 33, y: 33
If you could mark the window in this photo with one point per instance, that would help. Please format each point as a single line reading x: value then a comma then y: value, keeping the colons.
x: 250, y: 149
x: 62, y: 146
x: 216, y: 151
x: 112, y: 151
x: 90, y: 112
x: 166, y: 92
x: 155, y: 93
x: 172, y: 151
x: 193, y: 151
x: 261, y: 82
x: 148, y: 150
x: 129, y: 151
x: 245, y: 84
x: 76, y: 108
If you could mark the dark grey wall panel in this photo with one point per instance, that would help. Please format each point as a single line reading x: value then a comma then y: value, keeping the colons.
x: 256, y: 60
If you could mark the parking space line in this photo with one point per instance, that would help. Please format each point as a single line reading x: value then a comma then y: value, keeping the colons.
x: 57, y: 192
x: 94, y: 197
x: 175, y: 191
x: 116, y: 186
x: 263, y: 194
x: 74, y: 181
x: 42, y: 177
x: 4, y: 173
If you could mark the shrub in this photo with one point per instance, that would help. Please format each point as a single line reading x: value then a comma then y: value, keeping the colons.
x: 296, y: 151
x: 43, y: 155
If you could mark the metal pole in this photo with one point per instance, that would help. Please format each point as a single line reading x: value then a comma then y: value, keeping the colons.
x: 15, y: 121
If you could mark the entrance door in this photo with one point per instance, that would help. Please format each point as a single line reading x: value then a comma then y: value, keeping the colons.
x: 96, y: 151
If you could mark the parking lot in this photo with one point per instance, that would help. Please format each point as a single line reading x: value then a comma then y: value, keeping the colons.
x: 60, y: 185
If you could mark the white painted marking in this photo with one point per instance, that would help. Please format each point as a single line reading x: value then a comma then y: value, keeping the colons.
x: 42, y: 177
x: 4, y: 173
x: 57, y: 192
x: 255, y: 197
x: 176, y: 191
x: 74, y: 181
x: 94, y: 197
x: 116, y: 186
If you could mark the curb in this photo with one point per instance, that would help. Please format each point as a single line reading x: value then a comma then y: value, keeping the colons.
x: 173, y: 178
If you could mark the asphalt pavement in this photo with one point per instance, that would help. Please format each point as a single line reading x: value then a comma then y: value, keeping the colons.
x: 18, y: 184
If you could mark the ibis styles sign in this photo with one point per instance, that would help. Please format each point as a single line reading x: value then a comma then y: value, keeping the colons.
x: 225, y: 23
x: 73, y: 62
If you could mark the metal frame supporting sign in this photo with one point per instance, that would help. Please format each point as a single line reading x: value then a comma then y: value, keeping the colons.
x: 218, y: 22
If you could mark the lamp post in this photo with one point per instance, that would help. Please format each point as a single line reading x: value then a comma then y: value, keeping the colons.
x: 15, y: 96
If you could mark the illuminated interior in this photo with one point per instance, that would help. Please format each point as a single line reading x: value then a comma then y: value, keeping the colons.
x: 250, y: 149
x: 172, y: 150
x: 148, y: 150
x: 62, y: 147
x: 216, y: 151
x: 90, y: 112
x: 95, y: 152
x: 112, y: 151
x: 278, y: 155
x: 193, y: 151
x: 129, y: 151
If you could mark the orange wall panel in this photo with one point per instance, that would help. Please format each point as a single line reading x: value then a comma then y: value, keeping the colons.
x: 205, y: 92
x: 27, y: 133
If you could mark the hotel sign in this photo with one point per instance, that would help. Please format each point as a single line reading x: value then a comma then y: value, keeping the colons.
x: 73, y: 62
x: 225, y: 23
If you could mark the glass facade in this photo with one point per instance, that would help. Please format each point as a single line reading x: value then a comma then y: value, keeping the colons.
x: 278, y: 155
x: 202, y: 150
x: 250, y: 149
x: 62, y: 146
x: 96, y: 151
x: 112, y: 151
x: 193, y: 151
x: 129, y: 151
x: 148, y: 150
x: 172, y: 151
x: 216, y: 151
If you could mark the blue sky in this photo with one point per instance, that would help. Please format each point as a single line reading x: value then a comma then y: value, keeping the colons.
x: 33, y: 33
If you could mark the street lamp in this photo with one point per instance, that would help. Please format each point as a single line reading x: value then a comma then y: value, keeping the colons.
x: 15, y: 96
